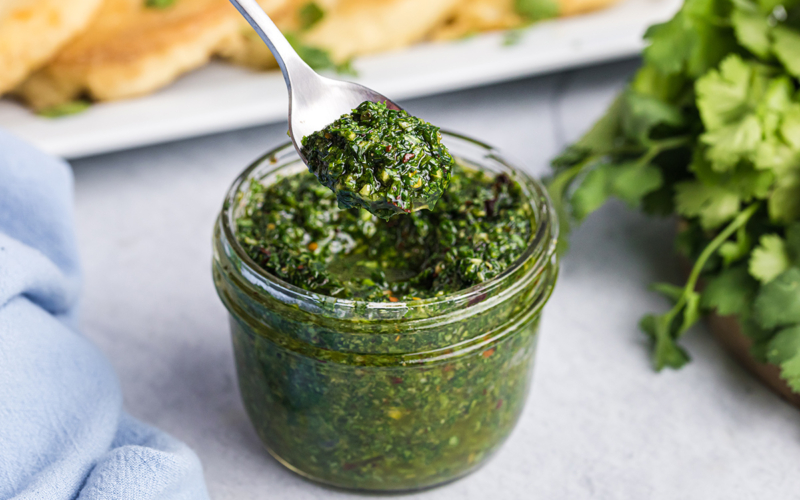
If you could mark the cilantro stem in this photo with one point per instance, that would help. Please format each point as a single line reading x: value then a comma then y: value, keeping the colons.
x: 663, y: 328
x: 706, y: 254
x: 671, y: 143
x: 562, y: 180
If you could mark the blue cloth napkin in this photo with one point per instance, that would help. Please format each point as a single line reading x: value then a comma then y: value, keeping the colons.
x: 63, y: 433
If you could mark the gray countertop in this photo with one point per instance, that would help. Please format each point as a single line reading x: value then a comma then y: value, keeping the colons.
x: 599, y: 423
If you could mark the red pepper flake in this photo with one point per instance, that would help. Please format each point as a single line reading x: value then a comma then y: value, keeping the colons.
x: 477, y: 299
x: 407, y: 157
x: 393, y: 299
x: 300, y: 267
x: 388, y: 147
x: 396, y: 380
x: 488, y: 353
x: 499, y: 404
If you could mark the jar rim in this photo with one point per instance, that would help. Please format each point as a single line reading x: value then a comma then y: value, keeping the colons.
x: 541, y: 244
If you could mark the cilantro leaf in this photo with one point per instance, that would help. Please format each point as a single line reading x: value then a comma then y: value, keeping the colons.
x: 641, y: 113
x: 723, y: 96
x: 784, y: 202
x: 784, y: 350
x: 790, y: 125
x: 793, y: 240
x: 778, y: 302
x: 603, y: 134
x: 592, y: 192
x: 769, y: 259
x: 752, y: 30
x: 786, y: 47
x: 790, y: 372
x: 670, y: 44
x: 728, y: 145
x: 733, y: 251
x: 730, y: 292
x: 309, y: 15
x: 784, y: 345
x: 649, y: 81
x: 666, y: 353
x: 633, y: 181
x: 714, y: 205
x: 692, y: 41
x: 630, y: 182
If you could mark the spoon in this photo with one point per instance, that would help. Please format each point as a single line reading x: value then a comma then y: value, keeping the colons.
x: 314, y: 101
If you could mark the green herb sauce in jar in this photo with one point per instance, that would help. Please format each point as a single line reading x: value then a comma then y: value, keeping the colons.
x: 393, y: 385
x: 294, y: 230
x: 381, y: 159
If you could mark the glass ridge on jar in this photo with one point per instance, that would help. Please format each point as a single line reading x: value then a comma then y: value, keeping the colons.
x: 385, y: 396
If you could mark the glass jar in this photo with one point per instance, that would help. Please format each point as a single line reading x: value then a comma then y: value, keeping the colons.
x: 384, y: 396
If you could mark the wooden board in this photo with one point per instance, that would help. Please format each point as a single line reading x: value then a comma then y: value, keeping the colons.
x: 727, y: 331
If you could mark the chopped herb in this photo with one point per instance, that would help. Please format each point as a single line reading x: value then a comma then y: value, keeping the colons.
x: 158, y: 4
x: 310, y: 14
x: 381, y: 159
x: 383, y: 398
x: 346, y: 68
x: 65, y: 109
x: 536, y: 10
x: 513, y: 37
x: 294, y: 230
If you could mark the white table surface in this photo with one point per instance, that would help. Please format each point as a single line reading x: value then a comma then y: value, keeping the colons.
x: 599, y: 422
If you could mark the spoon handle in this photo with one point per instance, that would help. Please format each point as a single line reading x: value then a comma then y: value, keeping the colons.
x: 290, y: 63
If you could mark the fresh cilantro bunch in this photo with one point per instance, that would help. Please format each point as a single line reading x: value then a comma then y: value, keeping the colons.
x: 709, y: 129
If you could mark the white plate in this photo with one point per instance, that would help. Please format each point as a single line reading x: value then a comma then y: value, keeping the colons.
x: 221, y: 97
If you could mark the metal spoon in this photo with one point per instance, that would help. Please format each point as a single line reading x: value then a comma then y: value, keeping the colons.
x: 314, y: 101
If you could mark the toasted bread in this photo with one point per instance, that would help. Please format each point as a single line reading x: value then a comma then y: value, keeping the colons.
x: 475, y: 16
x: 31, y: 31
x: 358, y: 27
x: 131, y: 49
x: 347, y: 29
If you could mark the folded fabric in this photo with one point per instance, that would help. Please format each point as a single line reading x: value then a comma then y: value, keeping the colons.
x: 63, y: 433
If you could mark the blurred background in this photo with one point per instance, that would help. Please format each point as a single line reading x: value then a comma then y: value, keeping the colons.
x: 84, y: 77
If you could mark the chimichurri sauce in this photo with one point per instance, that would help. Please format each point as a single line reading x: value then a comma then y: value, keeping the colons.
x: 393, y: 396
x: 383, y: 160
x: 294, y: 229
